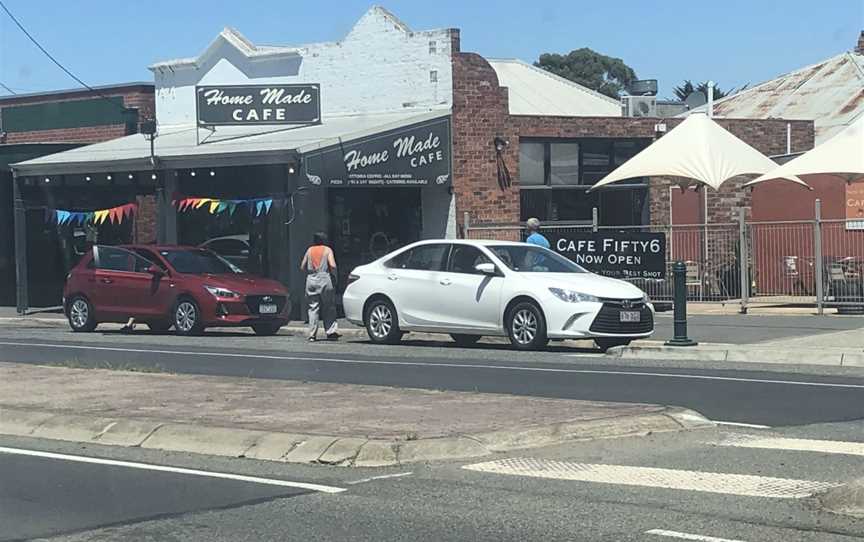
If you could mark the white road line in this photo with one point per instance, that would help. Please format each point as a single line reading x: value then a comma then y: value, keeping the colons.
x: 709, y: 482
x: 739, y: 424
x: 176, y: 470
x: 688, y: 536
x: 382, y: 477
x: 448, y: 365
x: 801, y: 445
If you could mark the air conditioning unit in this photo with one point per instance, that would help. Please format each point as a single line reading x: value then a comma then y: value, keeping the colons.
x: 639, y: 106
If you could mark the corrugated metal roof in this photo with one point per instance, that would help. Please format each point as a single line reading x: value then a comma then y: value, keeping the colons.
x: 831, y: 93
x: 179, y: 147
x: 535, y: 91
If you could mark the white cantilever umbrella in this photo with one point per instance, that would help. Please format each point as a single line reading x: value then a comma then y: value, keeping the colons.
x: 841, y: 156
x: 697, y: 149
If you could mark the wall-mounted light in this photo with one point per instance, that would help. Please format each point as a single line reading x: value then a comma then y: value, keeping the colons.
x: 47, y: 180
x: 131, y: 176
x: 291, y: 169
x: 87, y: 178
x: 500, y: 144
x: 108, y: 177
x: 192, y: 173
x: 212, y: 173
x: 153, y: 176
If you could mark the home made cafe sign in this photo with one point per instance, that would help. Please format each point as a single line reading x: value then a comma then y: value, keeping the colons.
x: 622, y: 255
x: 258, y: 104
x: 415, y: 155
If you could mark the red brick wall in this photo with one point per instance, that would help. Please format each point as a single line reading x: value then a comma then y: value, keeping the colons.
x: 139, y: 97
x: 145, y: 220
x: 480, y: 113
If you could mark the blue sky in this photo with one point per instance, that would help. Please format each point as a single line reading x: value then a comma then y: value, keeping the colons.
x: 732, y: 41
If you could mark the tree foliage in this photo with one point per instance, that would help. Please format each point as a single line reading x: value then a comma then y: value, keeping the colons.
x: 591, y: 69
x: 687, y: 88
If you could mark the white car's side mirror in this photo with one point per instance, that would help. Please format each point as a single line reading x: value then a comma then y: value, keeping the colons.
x: 486, y: 268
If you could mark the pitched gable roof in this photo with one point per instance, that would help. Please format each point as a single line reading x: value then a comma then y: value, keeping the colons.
x: 535, y: 91
x: 831, y: 93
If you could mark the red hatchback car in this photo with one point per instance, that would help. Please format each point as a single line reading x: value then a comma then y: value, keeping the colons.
x: 187, y: 288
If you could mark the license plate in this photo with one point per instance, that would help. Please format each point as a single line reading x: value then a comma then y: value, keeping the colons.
x: 630, y: 316
x: 267, y: 309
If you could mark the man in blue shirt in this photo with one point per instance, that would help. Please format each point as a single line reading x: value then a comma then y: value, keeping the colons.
x: 534, y: 235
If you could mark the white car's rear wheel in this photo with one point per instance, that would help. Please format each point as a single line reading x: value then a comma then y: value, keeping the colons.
x: 526, y: 326
x: 382, y: 324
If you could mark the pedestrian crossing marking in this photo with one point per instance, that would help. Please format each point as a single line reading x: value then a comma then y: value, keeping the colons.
x: 709, y: 482
x: 798, y: 444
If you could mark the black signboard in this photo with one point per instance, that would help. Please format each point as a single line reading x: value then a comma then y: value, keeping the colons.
x: 258, y: 104
x: 415, y: 155
x: 623, y: 255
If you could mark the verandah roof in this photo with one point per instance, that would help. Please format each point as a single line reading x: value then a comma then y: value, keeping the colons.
x: 181, y: 147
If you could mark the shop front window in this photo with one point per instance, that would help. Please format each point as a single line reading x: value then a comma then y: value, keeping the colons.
x: 555, y: 176
x: 564, y: 164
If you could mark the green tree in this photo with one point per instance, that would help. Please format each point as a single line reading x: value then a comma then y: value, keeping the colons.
x: 686, y: 89
x: 591, y: 69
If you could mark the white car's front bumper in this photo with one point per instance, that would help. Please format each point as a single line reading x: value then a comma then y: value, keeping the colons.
x: 586, y: 320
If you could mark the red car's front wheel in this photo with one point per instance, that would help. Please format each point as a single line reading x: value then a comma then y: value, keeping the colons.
x: 187, y: 317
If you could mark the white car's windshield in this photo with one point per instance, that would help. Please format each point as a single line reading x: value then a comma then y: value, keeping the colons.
x: 534, y: 259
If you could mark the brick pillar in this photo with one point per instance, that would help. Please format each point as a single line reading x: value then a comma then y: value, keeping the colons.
x: 481, y: 113
x: 144, y: 230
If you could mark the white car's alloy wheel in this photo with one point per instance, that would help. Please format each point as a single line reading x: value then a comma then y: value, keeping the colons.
x: 380, y: 321
x: 524, y: 326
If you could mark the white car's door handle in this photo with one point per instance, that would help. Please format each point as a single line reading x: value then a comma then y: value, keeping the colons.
x: 446, y: 282
x: 392, y: 276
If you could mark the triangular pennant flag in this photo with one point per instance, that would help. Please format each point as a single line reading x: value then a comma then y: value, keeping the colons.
x: 214, y: 204
x: 99, y: 216
x: 88, y: 217
x: 232, y: 206
x: 112, y: 215
x: 267, y: 204
x: 258, y: 206
x: 199, y: 202
x: 222, y: 206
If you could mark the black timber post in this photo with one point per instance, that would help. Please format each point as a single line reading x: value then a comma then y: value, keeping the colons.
x: 22, y: 299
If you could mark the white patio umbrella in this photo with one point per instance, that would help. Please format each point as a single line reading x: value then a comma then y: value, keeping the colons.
x: 698, y: 149
x: 841, y: 156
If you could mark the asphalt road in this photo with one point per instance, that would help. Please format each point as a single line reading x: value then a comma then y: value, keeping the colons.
x: 772, y: 398
x: 74, y: 502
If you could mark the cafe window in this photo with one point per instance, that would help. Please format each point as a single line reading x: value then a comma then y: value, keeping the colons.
x: 532, y: 160
x: 555, y: 175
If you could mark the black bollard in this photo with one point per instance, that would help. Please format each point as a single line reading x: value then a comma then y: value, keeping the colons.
x: 679, y: 277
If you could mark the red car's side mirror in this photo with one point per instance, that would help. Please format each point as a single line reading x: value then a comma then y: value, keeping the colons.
x: 155, y: 270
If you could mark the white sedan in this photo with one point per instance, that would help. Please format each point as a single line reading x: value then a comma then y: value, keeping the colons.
x: 471, y: 289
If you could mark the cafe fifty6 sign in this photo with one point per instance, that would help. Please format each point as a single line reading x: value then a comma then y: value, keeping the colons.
x: 623, y: 255
x: 258, y: 104
x: 415, y: 155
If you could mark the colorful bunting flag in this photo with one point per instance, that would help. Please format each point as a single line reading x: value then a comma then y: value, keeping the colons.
x: 256, y: 206
x: 116, y: 215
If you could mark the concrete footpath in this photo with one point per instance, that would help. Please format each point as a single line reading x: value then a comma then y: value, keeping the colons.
x: 837, y: 349
x: 336, y: 424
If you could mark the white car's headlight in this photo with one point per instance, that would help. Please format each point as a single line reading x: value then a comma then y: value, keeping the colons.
x: 216, y: 291
x: 573, y: 297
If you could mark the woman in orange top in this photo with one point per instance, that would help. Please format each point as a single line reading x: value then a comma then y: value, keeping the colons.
x: 319, y: 264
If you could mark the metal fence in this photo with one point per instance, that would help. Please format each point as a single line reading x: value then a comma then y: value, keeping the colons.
x: 809, y: 262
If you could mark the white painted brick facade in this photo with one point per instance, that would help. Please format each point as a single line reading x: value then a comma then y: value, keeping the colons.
x: 381, y: 65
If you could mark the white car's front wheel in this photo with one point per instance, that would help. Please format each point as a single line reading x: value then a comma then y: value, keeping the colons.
x: 382, y: 324
x: 526, y: 326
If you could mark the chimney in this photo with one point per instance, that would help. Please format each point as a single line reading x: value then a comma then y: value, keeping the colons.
x: 860, y: 47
